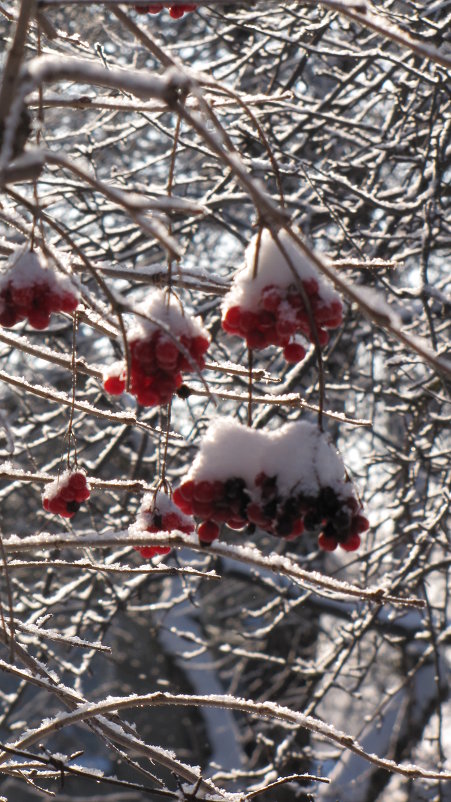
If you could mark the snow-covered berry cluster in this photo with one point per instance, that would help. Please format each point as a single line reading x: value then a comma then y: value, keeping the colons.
x: 157, y: 357
x: 174, y: 11
x: 286, y: 482
x: 31, y: 290
x: 266, y: 305
x: 158, y: 513
x: 65, y: 495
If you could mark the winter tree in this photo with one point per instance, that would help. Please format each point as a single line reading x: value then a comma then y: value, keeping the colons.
x: 224, y: 420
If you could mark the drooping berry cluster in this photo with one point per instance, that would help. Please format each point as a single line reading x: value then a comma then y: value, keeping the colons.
x: 174, y: 11
x: 158, y: 513
x: 65, y: 495
x: 157, y: 357
x: 266, y: 305
x: 30, y: 290
x: 302, y: 486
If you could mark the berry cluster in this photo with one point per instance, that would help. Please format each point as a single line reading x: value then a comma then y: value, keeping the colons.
x: 281, y: 313
x: 302, y: 486
x: 266, y: 306
x: 215, y: 502
x: 29, y: 290
x: 65, y: 495
x: 157, y: 359
x: 158, y: 513
x: 174, y: 11
x: 232, y: 502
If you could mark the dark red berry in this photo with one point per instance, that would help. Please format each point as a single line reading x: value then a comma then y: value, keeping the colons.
x: 208, y: 531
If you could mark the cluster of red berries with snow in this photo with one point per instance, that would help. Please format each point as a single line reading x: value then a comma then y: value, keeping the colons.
x: 285, y: 482
x: 30, y: 290
x: 266, y: 306
x: 166, y: 342
x: 174, y: 11
x: 65, y: 495
x: 158, y: 513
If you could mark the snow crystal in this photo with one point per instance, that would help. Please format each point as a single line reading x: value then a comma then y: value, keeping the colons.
x: 273, y: 268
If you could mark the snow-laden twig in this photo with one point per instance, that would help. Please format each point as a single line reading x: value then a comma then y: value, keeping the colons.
x: 57, y: 397
x: 364, y: 15
x: 275, y: 563
x: 260, y: 709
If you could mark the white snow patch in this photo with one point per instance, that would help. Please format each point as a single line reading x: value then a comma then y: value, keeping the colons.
x: 161, y: 308
x: 298, y: 453
x: 272, y: 268
x: 26, y: 267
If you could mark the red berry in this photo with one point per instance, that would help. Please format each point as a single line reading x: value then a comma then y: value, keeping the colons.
x: 327, y: 542
x: 9, y: 317
x: 359, y: 524
x: 294, y: 352
x: 204, y: 509
x: 256, y: 339
x: 198, y: 347
x: 232, y: 320
x: 77, y: 480
x: 285, y: 327
x: 236, y: 523
x: 167, y: 353
x: 256, y: 516
x: 68, y: 302
x: 172, y: 521
x: 298, y: 528
x: 151, y: 551
x: 204, y: 491
x: 271, y: 298
x: 208, y: 531
x: 266, y: 320
x: 22, y: 296
x: 352, y: 543
x: 68, y: 493
x: 176, y: 12
x: 114, y: 385
x: 322, y: 335
x: 38, y: 319
x: 311, y: 286
x: 187, y: 490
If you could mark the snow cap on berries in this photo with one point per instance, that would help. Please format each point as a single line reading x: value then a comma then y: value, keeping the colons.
x: 25, y: 267
x: 161, y: 309
x: 228, y: 449
x: 298, y: 453
x: 273, y: 269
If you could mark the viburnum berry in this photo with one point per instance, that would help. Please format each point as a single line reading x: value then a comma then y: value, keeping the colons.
x: 268, y: 305
x: 159, y: 353
x: 154, y: 8
x: 294, y: 352
x: 158, y: 513
x: 65, y: 494
x: 30, y: 289
x: 208, y: 531
x: 178, y: 11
